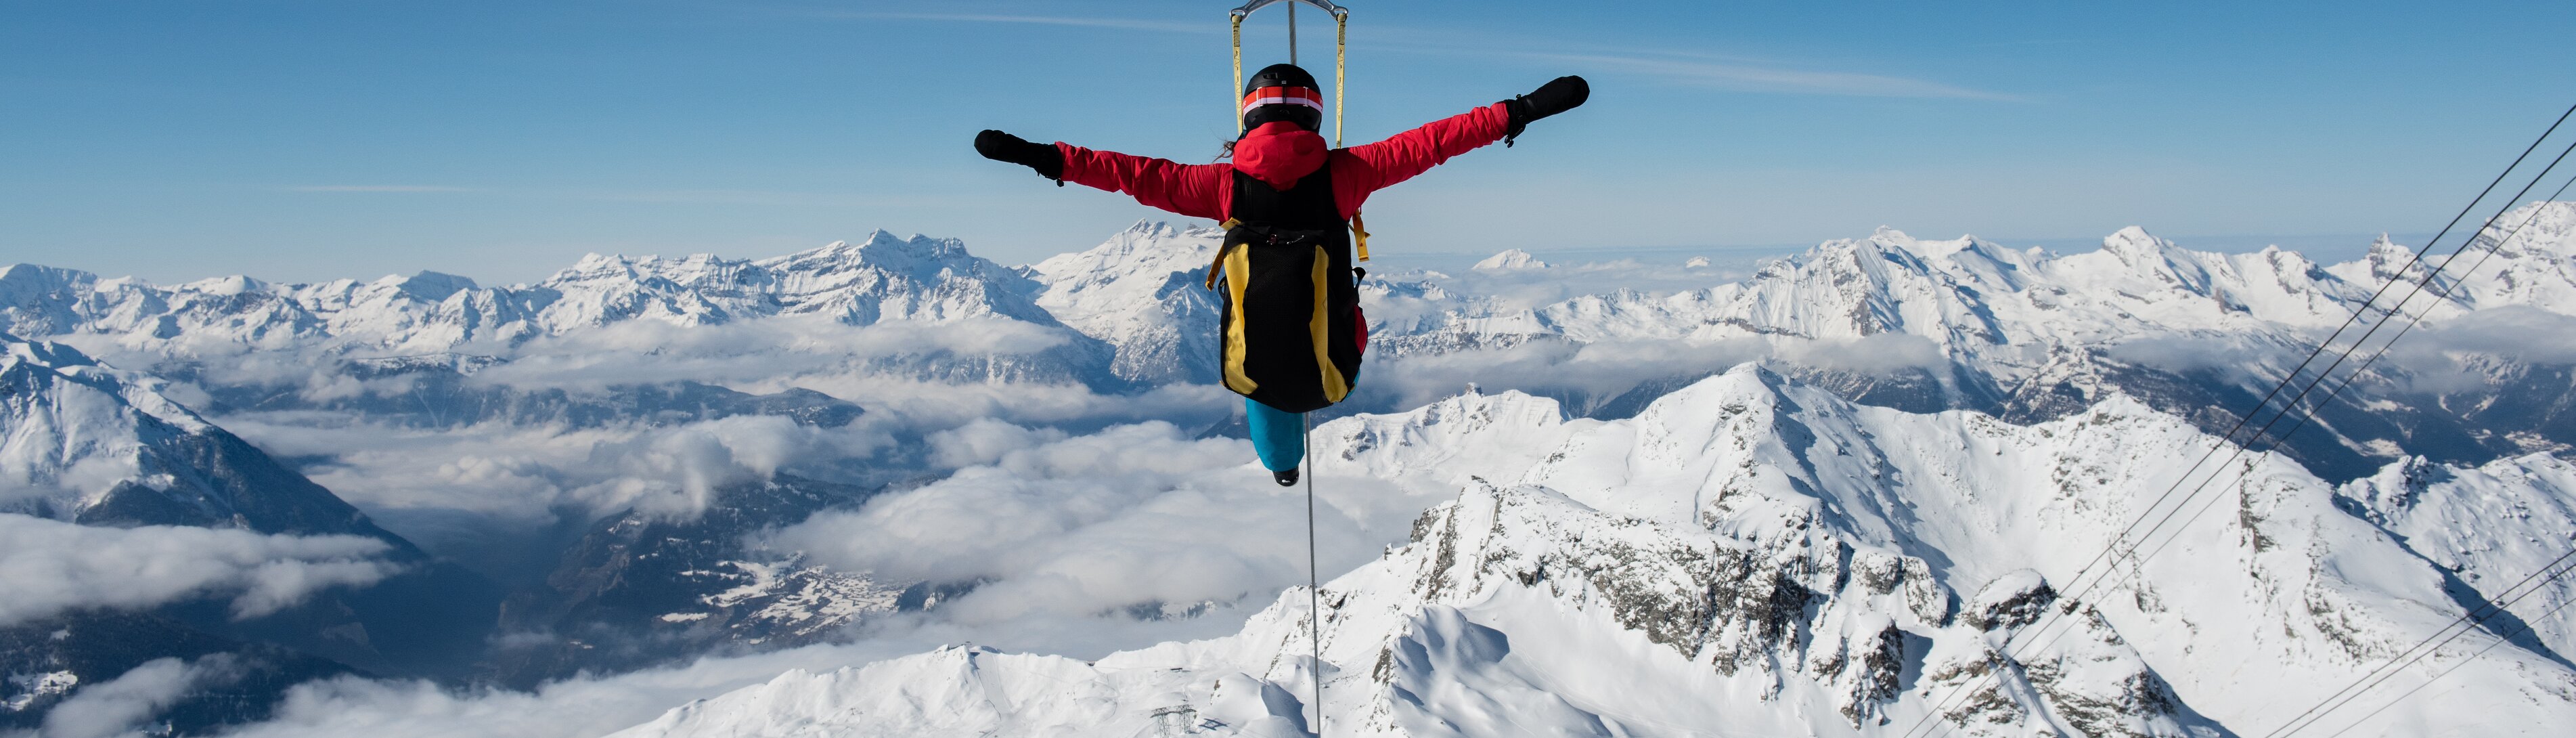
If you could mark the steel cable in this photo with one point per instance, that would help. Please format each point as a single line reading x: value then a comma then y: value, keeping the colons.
x: 2127, y: 552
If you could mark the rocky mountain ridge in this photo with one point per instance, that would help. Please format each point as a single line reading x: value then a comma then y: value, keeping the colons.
x: 1753, y: 553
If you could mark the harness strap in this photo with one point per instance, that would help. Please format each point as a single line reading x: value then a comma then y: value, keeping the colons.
x: 1359, y: 236
x: 1341, y: 45
x: 1218, y: 266
x: 1231, y: 92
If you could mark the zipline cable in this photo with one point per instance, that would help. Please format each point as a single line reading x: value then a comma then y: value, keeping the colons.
x: 2294, y: 404
x: 2395, y: 312
x: 1341, y: 46
x: 1314, y: 589
x: 2309, y: 414
x: 2427, y: 647
x: 2473, y: 618
x: 2127, y: 552
x: 2482, y: 614
x: 2229, y: 438
x: 2501, y: 640
x: 2292, y: 376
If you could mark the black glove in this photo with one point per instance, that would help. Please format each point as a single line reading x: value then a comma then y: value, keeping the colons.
x: 1557, y: 96
x: 999, y: 146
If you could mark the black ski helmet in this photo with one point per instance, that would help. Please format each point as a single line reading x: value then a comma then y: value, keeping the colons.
x: 1283, y: 92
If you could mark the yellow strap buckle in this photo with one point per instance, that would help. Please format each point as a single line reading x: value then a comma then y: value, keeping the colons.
x: 1359, y: 236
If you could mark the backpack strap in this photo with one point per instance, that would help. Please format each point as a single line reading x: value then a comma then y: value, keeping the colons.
x: 1306, y: 205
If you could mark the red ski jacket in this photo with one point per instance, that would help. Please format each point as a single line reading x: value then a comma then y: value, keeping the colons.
x: 1279, y: 153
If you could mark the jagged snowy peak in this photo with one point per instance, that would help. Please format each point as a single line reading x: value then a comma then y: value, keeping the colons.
x: 1143, y: 292
x: 2534, y: 262
x: 1510, y: 259
x: 1968, y: 296
x: 86, y: 442
x: 1923, y: 324
x: 1956, y: 292
x: 1751, y: 555
x: 881, y: 278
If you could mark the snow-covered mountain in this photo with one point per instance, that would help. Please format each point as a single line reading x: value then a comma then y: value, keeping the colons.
x: 1889, y: 320
x: 879, y: 280
x: 1816, y: 501
x: 1760, y: 555
x: 2028, y: 335
x: 1143, y: 292
x: 1510, y: 259
x: 89, y: 443
x: 86, y: 443
x: 2487, y: 526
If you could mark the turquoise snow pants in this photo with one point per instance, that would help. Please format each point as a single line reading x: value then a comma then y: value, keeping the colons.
x: 1279, y: 437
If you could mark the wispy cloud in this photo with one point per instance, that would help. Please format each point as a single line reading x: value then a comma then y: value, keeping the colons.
x: 1676, y: 66
x: 1758, y: 78
x: 1126, y: 24
x: 667, y: 196
x: 379, y: 188
x: 55, y: 567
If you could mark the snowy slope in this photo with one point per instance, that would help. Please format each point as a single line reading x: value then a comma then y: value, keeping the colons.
x: 1753, y: 557
x: 1143, y: 292
x: 2493, y: 525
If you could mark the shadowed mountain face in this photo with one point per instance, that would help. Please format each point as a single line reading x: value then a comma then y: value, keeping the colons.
x: 233, y: 682
x: 441, y: 392
x: 642, y: 590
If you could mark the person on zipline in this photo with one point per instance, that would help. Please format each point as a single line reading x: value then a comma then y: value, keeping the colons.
x: 1291, y: 331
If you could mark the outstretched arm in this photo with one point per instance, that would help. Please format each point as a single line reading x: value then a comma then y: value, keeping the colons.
x: 1371, y: 167
x: 1195, y: 190
x: 1379, y: 165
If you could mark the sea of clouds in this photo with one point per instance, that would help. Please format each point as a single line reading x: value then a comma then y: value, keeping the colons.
x: 1093, y: 521
x: 53, y: 567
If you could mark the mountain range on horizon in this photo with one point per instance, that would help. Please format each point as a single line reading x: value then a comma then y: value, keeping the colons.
x: 1830, y: 493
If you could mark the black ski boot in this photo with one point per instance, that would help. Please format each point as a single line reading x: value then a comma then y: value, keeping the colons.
x: 1285, y: 478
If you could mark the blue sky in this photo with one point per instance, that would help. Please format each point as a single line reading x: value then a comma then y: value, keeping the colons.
x: 501, y: 140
